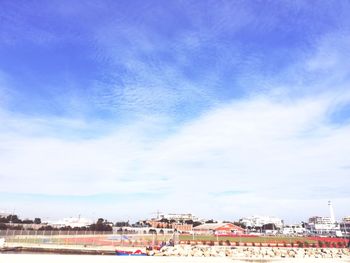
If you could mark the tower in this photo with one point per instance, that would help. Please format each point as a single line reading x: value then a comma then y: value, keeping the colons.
x: 331, y: 212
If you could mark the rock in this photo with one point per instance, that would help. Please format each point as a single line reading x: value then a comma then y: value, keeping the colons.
x: 291, y: 253
x: 251, y: 252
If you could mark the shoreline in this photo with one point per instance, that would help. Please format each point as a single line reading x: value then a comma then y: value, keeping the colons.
x: 44, y: 258
x: 188, y: 251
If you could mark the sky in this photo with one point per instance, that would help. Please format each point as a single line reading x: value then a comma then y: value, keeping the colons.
x: 223, y: 109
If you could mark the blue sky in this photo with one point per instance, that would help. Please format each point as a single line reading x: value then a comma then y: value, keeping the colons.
x: 211, y: 107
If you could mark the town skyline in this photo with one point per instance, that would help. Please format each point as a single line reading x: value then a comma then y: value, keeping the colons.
x: 221, y: 108
x: 169, y: 223
x: 159, y: 214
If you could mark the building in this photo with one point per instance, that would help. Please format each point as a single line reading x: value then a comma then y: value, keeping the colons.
x: 72, y: 222
x: 320, y: 220
x: 158, y: 224
x: 345, y: 226
x: 182, y: 228
x: 218, y: 229
x: 260, y: 221
x: 178, y: 217
x: 346, y: 219
x: 325, y: 226
x: 296, y: 229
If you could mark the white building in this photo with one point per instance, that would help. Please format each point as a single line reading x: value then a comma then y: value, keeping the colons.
x: 178, y: 217
x: 325, y: 226
x: 259, y: 221
x: 345, y: 226
x: 320, y: 220
x: 296, y: 229
x: 72, y: 222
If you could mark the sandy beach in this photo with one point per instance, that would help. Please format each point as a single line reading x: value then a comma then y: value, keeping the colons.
x: 44, y: 258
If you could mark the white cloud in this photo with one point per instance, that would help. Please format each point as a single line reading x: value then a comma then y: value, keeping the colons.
x: 281, y: 156
x: 271, y: 151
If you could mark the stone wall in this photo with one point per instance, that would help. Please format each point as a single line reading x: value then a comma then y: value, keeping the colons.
x: 252, y: 252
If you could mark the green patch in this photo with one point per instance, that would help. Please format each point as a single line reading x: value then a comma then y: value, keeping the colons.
x: 272, y: 239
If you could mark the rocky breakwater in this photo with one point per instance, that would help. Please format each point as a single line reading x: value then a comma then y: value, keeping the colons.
x: 253, y: 252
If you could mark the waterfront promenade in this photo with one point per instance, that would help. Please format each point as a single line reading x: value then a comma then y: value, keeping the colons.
x: 104, y: 246
x: 39, y: 258
x: 180, y: 253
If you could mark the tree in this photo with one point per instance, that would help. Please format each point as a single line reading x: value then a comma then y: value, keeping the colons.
x: 100, y: 221
x: 49, y: 228
x: 27, y: 221
x: 14, y: 219
x: 164, y: 220
x: 240, y: 224
x: 196, y: 223
x: 4, y: 220
x: 37, y: 221
x: 101, y: 225
x: 66, y: 228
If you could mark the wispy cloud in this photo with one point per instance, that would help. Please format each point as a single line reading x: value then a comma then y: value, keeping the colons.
x: 220, y: 113
x: 228, y: 193
x: 266, y: 149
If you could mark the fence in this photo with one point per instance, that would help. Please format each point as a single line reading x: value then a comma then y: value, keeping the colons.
x: 81, y: 238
